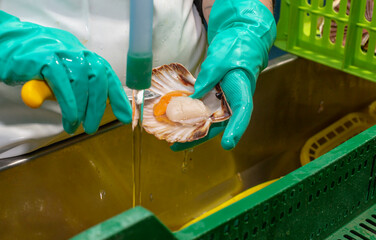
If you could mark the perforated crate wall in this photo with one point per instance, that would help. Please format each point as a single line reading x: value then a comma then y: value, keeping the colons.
x: 298, y: 33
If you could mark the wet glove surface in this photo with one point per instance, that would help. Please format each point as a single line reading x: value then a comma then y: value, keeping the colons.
x: 240, y: 34
x: 80, y: 79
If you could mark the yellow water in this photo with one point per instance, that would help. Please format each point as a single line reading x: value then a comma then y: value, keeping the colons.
x: 187, y: 160
x: 138, y: 98
x: 136, y: 164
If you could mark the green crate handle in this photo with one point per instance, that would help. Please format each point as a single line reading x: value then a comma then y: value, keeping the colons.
x: 136, y: 223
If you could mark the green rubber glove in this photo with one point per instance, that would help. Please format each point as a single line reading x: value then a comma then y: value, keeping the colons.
x: 80, y: 79
x: 240, y: 34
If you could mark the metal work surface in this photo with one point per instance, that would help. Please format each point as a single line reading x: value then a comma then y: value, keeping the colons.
x: 66, y: 188
x: 332, y: 197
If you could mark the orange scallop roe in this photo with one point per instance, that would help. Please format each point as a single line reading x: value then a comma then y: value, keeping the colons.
x: 160, y: 108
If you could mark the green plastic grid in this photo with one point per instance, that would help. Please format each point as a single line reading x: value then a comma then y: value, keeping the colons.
x: 297, y: 33
x: 362, y: 227
x: 313, y: 202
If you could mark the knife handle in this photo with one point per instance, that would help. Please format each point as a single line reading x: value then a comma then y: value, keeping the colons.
x: 35, y: 92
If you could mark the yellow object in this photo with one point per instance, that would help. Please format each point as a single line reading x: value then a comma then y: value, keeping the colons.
x: 337, y: 133
x: 35, y: 92
x: 372, y: 109
x: 231, y: 201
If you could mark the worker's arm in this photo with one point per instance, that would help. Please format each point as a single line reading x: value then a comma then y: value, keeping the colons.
x: 208, y: 4
x: 240, y: 34
x: 80, y: 79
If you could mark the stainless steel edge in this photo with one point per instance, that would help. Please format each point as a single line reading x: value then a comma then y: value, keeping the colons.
x: 6, y: 163
x: 279, y: 61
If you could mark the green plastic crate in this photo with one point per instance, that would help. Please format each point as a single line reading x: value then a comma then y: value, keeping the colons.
x: 332, y: 197
x: 297, y: 33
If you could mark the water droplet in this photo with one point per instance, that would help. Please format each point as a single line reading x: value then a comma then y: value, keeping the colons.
x: 321, y: 107
x: 102, y: 193
x: 187, y: 160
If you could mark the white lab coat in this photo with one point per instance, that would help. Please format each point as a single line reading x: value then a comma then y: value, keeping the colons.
x: 103, y: 27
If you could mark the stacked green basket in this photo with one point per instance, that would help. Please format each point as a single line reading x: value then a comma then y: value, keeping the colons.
x: 304, y: 29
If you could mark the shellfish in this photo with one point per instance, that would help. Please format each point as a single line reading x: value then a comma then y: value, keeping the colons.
x: 174, y: 116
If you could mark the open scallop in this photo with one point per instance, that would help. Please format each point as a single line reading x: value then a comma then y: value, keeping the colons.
x: 174, y: 116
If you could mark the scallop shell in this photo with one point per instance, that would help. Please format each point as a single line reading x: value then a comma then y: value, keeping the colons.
x: 168, y: 78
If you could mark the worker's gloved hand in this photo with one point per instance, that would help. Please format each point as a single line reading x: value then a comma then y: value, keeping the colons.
x: 240, y: 34
x: 80, y: 79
